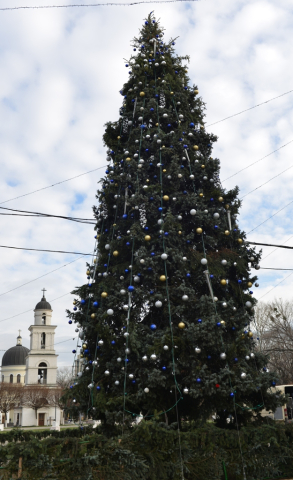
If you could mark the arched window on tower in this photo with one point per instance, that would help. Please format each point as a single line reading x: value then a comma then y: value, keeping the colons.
x: 18, y: 378
x: 42, y: 373
x: 11, y: 378
x: 44, y: 319
x: 43, y: 340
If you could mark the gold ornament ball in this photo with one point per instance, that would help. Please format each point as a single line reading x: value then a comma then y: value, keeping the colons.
x: 202, y: 127
x: 203, y: 166
x: 220, y: 199
x: 179, y: 233
x: 201, y: 194
x: 249, y: 284
x: 172, y: 93
x: 186, y: 70
x: 147, y: 180
x: 98, y: 236
x: 243, y: 336
x: 227, y: 232
x: 181, y: 325
x: 93, y: 315
x: 195, y: 147
x: 118, y: 138
x: 164, y: 171
x: 250, y: 334
x: 104, y: 294
x: 195, y: 92
x: 115, y: 253
x: 128, y: 159
x: 199, y: 230
x: 116, y: 184
x: 74, y: 302
x: 159, y: 78
x: 147, y: 238
x: 163, y: 278
x: 95, y: 260
x: 157, y: 124
x: 142, y: 94
x: 227, y: 206
x: 88, y: 272
x: 223, y: 282
x: 240, y: 240
x: 166, y: 198
x: 84, y: 346
x: 222, y: 322
x: 81, y: 355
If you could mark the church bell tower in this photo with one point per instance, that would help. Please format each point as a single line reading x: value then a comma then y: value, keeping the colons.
x: 41, y: 362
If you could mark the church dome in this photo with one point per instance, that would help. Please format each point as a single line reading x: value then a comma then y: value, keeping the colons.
x: 43, y: 304
x: 15, y: 356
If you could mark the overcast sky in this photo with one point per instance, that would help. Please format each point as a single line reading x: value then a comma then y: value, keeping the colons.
x: 60, y: 75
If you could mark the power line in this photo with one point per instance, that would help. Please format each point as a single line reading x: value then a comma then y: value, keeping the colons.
x: 245, y: 168
x: 27, y: 311
x: 251, y: 108
x: 41, y: 250
x: 270, y: 217
x: 276, y: 248
x: 271, y: 268
x: 110, y: 4
x: 251, y: 191
x: 54, y: 184
x: 276, y: 285
x: 38, y: 214
x: 41, y: 276
x: 270, y: 245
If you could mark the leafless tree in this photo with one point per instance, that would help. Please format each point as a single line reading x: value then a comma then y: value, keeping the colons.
x: 36, y: 397
x: 274, y: 327
x: 10, y: 397
x: 64, y: 377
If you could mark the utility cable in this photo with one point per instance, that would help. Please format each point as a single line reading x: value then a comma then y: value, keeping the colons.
x: 110, y: 4
x: 41, y: 250
x: 251, y: 191
x: 41, y: 276
x: 38, y: 214
x: 270, y: 245
x: 270, y: 217
x: 271, y: 268
x: 276, y: 286
x: 245, y: 168
x: 54, y: 184
x: 251, y: 108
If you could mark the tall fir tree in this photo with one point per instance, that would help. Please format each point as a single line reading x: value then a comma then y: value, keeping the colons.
x: 165, y: 318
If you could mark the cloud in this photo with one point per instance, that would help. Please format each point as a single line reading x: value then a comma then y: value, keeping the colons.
x: 61, y: 72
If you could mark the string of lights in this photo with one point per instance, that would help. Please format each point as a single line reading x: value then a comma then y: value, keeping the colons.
x: 109, y: 4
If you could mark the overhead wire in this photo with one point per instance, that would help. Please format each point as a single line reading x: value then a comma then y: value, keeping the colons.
x: 276, y: 285
x: 88, y: 221
x: 250, y: 108
x: 53, y: 185
x: 270, y: 245
x: 251, y: 191
x: 109, y: 4
x: 270, y: 217
x: 44, y: 250
x: 248, y: 166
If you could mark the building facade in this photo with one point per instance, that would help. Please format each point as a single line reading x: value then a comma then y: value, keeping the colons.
x: 33, y: 369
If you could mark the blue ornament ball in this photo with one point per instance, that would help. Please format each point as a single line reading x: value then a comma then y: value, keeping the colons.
x: 153, y: 326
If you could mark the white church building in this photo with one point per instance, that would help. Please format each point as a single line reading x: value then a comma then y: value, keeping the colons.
x: 36, y: 366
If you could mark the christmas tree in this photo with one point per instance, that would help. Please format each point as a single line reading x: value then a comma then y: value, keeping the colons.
x: 165, y: 318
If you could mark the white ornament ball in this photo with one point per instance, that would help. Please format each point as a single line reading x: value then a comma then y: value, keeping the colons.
x: 191, y: 177
x: 131, y: 375
x: 165, y: 347
x: 136, y: 279
x: 101, y: 342
x: 126, y: 334
x: 184, y: 259
x: 216, y: 215
x: 192, y: 212
x: 247, y: 357
x: 252, y: 355
x: 91, y: 385
x: 154, y: 356
x: 158, y: 304
x: 122, y: 291
x: 179, y: 217
x: 224, y: 262
x: 117, y: 382
x: 243, y: 375
x: 216, y: 299
x: 197, y: 350
x: 107, y: 247
x: 179, y: 175
x: 125, y: 307
x: 146, y: 390
x: 224, y: 304
x: 248, y: 304
x: 223, y: 356
x: 144, y: 358
x: 142, y: 261
x: 185, y: 298
x: 107, y: 372
x: 164, y: 256
x: 110, y: 311
x: 185, y: 390
x: 203, y: 261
